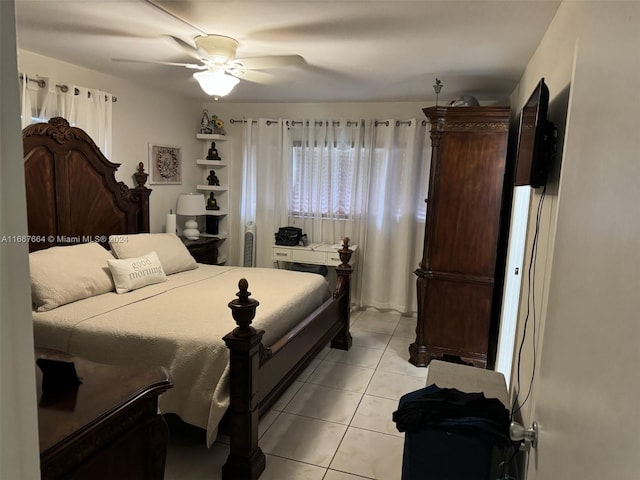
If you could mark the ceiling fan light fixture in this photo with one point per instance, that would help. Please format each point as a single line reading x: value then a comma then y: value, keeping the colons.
x: 219, y: 48
x: 216, y: 84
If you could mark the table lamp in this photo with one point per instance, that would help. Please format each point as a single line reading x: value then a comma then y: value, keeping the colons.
x: 191, y: 205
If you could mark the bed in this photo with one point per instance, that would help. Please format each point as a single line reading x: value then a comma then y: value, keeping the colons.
x: 89, y: 239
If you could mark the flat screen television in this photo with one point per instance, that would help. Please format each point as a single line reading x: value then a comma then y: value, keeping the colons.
x: 536, y: 139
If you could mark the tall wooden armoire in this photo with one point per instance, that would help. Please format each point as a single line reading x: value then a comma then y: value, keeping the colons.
x: 456, y: 274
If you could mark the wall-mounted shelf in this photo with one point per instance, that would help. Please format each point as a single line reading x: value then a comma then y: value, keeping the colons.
x: 212, y: 163
x: 211, y: 136
x: 212, y: 188
x: 217, y: 224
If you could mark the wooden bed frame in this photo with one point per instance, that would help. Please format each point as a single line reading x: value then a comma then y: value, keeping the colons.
x: 73, y: 197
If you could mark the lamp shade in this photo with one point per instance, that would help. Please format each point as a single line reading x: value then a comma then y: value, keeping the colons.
x: 191, y: 204
x: 216, y: 83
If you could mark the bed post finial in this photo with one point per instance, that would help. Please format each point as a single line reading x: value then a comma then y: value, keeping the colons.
x: 345, y: 252
x: 243, y: 309
x: 140, y: 195
x: 140, y: 176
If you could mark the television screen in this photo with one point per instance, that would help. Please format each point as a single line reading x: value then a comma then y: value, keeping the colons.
x: 534, y: 139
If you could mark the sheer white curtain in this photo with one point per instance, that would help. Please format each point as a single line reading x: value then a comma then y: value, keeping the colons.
x: 91, y: 110
x: 28, y: 97
x: 86, y: 108
x: 351, y: 179
x: 330, y: 162
x: 395, y: 216
x: 49, y: 104
x: 265, y: 185
x: 248, y: 195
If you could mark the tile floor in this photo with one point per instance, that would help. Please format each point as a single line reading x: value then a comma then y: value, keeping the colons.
x: 334, y: 422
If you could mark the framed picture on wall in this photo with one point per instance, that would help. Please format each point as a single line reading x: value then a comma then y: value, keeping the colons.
x: 165, y: 165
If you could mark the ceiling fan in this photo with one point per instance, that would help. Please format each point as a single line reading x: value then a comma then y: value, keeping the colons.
x: 219, y: 69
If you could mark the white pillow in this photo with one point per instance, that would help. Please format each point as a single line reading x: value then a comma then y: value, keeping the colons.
x: 61, y: 275
x: 132, y: 273
x: 172, y: 253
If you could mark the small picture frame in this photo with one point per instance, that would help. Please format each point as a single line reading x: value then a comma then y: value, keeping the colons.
x: 165, y: 165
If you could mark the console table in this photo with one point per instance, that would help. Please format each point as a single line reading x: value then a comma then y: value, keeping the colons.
x: 314, y: 254
x: 107, y: 427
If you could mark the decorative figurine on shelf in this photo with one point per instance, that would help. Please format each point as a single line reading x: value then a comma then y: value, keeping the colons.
x: 205, y: 123
x: 213, y: 152
x: 216, y: 125
x: 213, y: 179
x: 212, y: 203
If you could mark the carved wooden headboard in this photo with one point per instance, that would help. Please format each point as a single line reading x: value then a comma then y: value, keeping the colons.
x: 72, y: 193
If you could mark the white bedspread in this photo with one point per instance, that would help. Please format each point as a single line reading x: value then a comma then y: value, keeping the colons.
x: 179, y: 324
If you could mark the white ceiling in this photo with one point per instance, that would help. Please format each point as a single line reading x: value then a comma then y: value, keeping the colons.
x: 355, y: 50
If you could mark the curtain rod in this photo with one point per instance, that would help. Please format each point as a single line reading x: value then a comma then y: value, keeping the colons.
x: 64, y: 88
x: 335, y: 123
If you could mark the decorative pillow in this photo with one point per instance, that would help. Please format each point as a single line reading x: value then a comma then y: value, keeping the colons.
x: 172, y: 253
x: 132, y: 273
x: 61, y: 275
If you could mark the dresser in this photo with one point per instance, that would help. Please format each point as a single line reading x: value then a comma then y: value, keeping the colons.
x: 107, y: 427
x: 456, y: 274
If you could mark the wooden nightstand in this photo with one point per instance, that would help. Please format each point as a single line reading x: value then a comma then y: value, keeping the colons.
x: 204, y: 249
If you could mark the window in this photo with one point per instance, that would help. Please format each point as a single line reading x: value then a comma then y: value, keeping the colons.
x: 324, y: 177
x: 344, y: 172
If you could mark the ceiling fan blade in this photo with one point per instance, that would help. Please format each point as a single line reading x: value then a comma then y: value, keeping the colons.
x: 254, y: 76
x: 190, y: 50
x: 192, y: 66
x: 267, y: 61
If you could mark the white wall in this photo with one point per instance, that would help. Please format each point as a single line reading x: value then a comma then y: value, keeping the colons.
x: 18, y: 415
x: 553, y: 60
x: 584, y: 393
